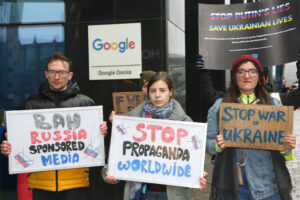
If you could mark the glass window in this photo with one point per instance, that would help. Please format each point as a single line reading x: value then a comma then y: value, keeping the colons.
x: 24, y: 51
x: 24, y: 11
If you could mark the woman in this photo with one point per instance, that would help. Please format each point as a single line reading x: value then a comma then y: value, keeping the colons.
x: 160, y: 106
x: 264, y: 173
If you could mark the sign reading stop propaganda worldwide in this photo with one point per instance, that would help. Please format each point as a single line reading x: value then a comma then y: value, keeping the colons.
x: 157, y: 151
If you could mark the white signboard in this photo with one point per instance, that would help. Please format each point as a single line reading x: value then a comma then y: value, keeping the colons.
x: 157, y: 151
x: 115, y: 51
x: 51, y: 139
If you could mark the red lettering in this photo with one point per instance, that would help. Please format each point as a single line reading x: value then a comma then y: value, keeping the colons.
x: 181, y: 133
x: 74, y: 135
x: 44, y: 136
x: 82, y: 134
x: 34, y: 136
x: 153, y: 128
x: 144, y: 134
x: 68, y: 135
x: 58, y: 136
x: 131, y: 44
x: 167, y: 131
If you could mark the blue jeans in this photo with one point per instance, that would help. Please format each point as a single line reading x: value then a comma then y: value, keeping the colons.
x: 245, y: 193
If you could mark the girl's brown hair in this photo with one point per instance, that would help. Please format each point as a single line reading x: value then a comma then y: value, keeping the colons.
x: 160, y: 76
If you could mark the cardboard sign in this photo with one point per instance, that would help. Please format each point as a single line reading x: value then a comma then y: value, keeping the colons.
x: 255, y: 126
x: 157, y: 151
x: 127, y: 101
x: 51, y: 139
x: 268, y: 29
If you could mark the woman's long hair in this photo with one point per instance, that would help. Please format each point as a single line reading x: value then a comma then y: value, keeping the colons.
x: 261, y: 93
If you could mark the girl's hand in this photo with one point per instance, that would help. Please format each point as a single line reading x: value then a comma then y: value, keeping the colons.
x: 290, y: 140
x: 103, y: 128
x: 221, y: 141
x: 111, y: 116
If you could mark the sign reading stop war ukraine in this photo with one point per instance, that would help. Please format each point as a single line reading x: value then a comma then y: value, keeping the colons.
x: 51, y: 139
x: 157, y: 151
x: 255, y: 126
x: 268, y: 29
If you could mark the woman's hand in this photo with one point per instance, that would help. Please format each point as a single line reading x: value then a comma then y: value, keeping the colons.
x: 221, y: 142
x: 5, y: 148
x: 290, y: 140
x: 203, y: 181
x: 103, y: 128
x: 111, y: 116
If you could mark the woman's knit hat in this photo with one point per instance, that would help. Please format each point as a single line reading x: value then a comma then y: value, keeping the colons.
x: 145, y: 77
x: 242, y: 58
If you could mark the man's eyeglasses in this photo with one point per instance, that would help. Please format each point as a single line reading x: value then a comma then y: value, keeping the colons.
x: 61, y: 73
x: 251, y: 72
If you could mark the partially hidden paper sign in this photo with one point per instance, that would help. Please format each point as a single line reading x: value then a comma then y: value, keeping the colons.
x: 255, y: 126
x: 127, y: 101
x: 52, y: 139
x: 157, y: 151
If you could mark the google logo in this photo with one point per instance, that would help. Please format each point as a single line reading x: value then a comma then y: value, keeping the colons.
x: 121, y: 46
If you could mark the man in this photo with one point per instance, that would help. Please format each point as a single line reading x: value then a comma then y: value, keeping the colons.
x: 58, y: 92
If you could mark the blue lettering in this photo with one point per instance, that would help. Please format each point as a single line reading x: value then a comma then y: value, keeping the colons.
x: 241, y: 114
x: 122, y: 47
x: 55, y: 159
x: 47, y: 160
x: 75, y: 158
x: 64, y: 159
x: 174, y: 169
x: 263, y: 115
x: 271, y: 136
x: 97, y: 45
x: 135, y: 165
x: 165, y: 171
x: 272, y: 115
x: 229, y: 137
x: 122, y: 166
x: 157, y: 167
x: 149, y: 167
x: 281, y: 136
x: 235, y: 112
x: 180, y: 171
x: 144, y: 162
x: 257, y: 135
x: 247, y: 135
x: 226, y: 112
x: 237, y: 135
x: 280, y: 115
x: 251, y: 112
x: 187, y: 170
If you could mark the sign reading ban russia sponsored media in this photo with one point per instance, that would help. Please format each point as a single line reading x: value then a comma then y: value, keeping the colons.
x: 115, y: 51
x: 51, y: 139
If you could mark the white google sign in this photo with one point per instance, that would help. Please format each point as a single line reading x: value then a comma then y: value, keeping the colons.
x: 115, y: 51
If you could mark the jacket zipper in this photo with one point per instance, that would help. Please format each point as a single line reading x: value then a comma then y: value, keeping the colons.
x: 248, y: 100
x: 56, y: 176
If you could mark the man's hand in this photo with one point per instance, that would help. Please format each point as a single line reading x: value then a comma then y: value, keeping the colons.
x: 199, y: 64
x: 5, y: 148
